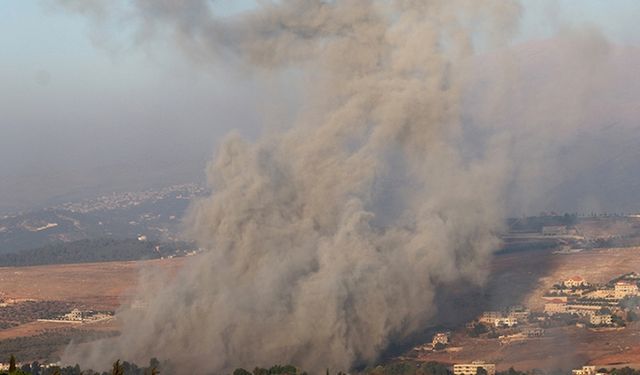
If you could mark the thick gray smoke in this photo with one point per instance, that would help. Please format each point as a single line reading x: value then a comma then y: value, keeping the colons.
x: 328, y: 238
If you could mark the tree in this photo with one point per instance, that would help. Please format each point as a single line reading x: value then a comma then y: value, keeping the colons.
x: 118, y: 369
x: 12, y: 364
x: 241, y: 371
x: 481, y: 371
x: 439, y: 346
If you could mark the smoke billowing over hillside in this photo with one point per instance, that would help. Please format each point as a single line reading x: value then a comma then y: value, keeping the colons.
x: 329, y: 235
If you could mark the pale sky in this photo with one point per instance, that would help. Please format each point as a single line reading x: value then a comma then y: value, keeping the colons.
x: 85, y: 112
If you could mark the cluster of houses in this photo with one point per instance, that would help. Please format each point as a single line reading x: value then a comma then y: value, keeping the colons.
x: 598, y: 304
x: 490, y: 368
x: 587, y: 370
x: 512, y: 317
x: 77, y: 316
x: 473, y: 367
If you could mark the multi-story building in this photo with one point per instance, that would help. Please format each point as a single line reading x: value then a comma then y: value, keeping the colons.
x: 600, y: 319
x: 583, y: 309
x: 75, y: 315
x: 520, y: 313
x: 585, y: 370
x: 555, y: 306
x: 506, y: 321
x: 472, y: 368
x: 624, y: 288
x: 490, y: 317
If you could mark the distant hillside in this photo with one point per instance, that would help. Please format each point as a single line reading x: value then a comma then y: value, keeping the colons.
x: 96, y: 250
x: 154, y: 214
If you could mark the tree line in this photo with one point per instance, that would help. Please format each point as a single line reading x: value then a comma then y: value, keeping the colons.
x: 91, y: 251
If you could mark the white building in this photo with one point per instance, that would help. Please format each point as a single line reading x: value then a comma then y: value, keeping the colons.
x: 603, y: 293
x: 506, y: 321
x: 624, y: 288
x: 472, y: 368
x: 490, y: 317
x: 75, y: 315
x: 585, y: 370
x: 575, y: 281
x: 555, y: 306
x: 597, y: 319
x: 583, y: 309
x: 520, y: 313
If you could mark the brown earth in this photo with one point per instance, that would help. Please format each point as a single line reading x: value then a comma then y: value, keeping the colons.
x: 92, y: 286
x: 97, y: 286
x: 514, y: 278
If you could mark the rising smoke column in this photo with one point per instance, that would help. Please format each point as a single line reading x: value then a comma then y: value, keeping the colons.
x: 327, y: 238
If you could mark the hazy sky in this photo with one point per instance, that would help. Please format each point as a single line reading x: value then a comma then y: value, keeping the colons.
x: 84, y: 110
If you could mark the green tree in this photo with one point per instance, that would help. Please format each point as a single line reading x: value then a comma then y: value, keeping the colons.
x: 12, y: 364
x: 241, y: 371
x: 481, y: 371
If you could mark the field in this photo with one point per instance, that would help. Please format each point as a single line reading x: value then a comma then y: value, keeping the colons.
x: 43, y: 291
x: 98, y: 286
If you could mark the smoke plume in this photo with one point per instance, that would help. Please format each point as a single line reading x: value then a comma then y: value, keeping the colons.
x: 327, y: 237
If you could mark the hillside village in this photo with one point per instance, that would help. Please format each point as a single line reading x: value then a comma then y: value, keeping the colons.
x: 571, y: 302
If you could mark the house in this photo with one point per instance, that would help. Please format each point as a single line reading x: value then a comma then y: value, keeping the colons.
x: 75, y: 315
x: 490, y: 317
x: 440, y: 338
x: 555, y: 306
x: 519, y: 313
x: 506, y: 321
x: 472, y: 368
x: 603, y: 293
x: 585, y: 370
x: 583, y: 309
x: 600, y: 319
x: 624, y: 288
x: 575, y: 282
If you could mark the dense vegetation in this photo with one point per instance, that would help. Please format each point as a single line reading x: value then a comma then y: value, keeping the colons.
x: 46, y: 345
x: 89, y: 251
x: 28, y: 311
x: 155, y: 367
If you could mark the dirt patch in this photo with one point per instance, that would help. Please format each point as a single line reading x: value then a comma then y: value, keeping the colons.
x: 98, y: 286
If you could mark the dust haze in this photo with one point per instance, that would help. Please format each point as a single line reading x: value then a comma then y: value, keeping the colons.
x: 329, y: 235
